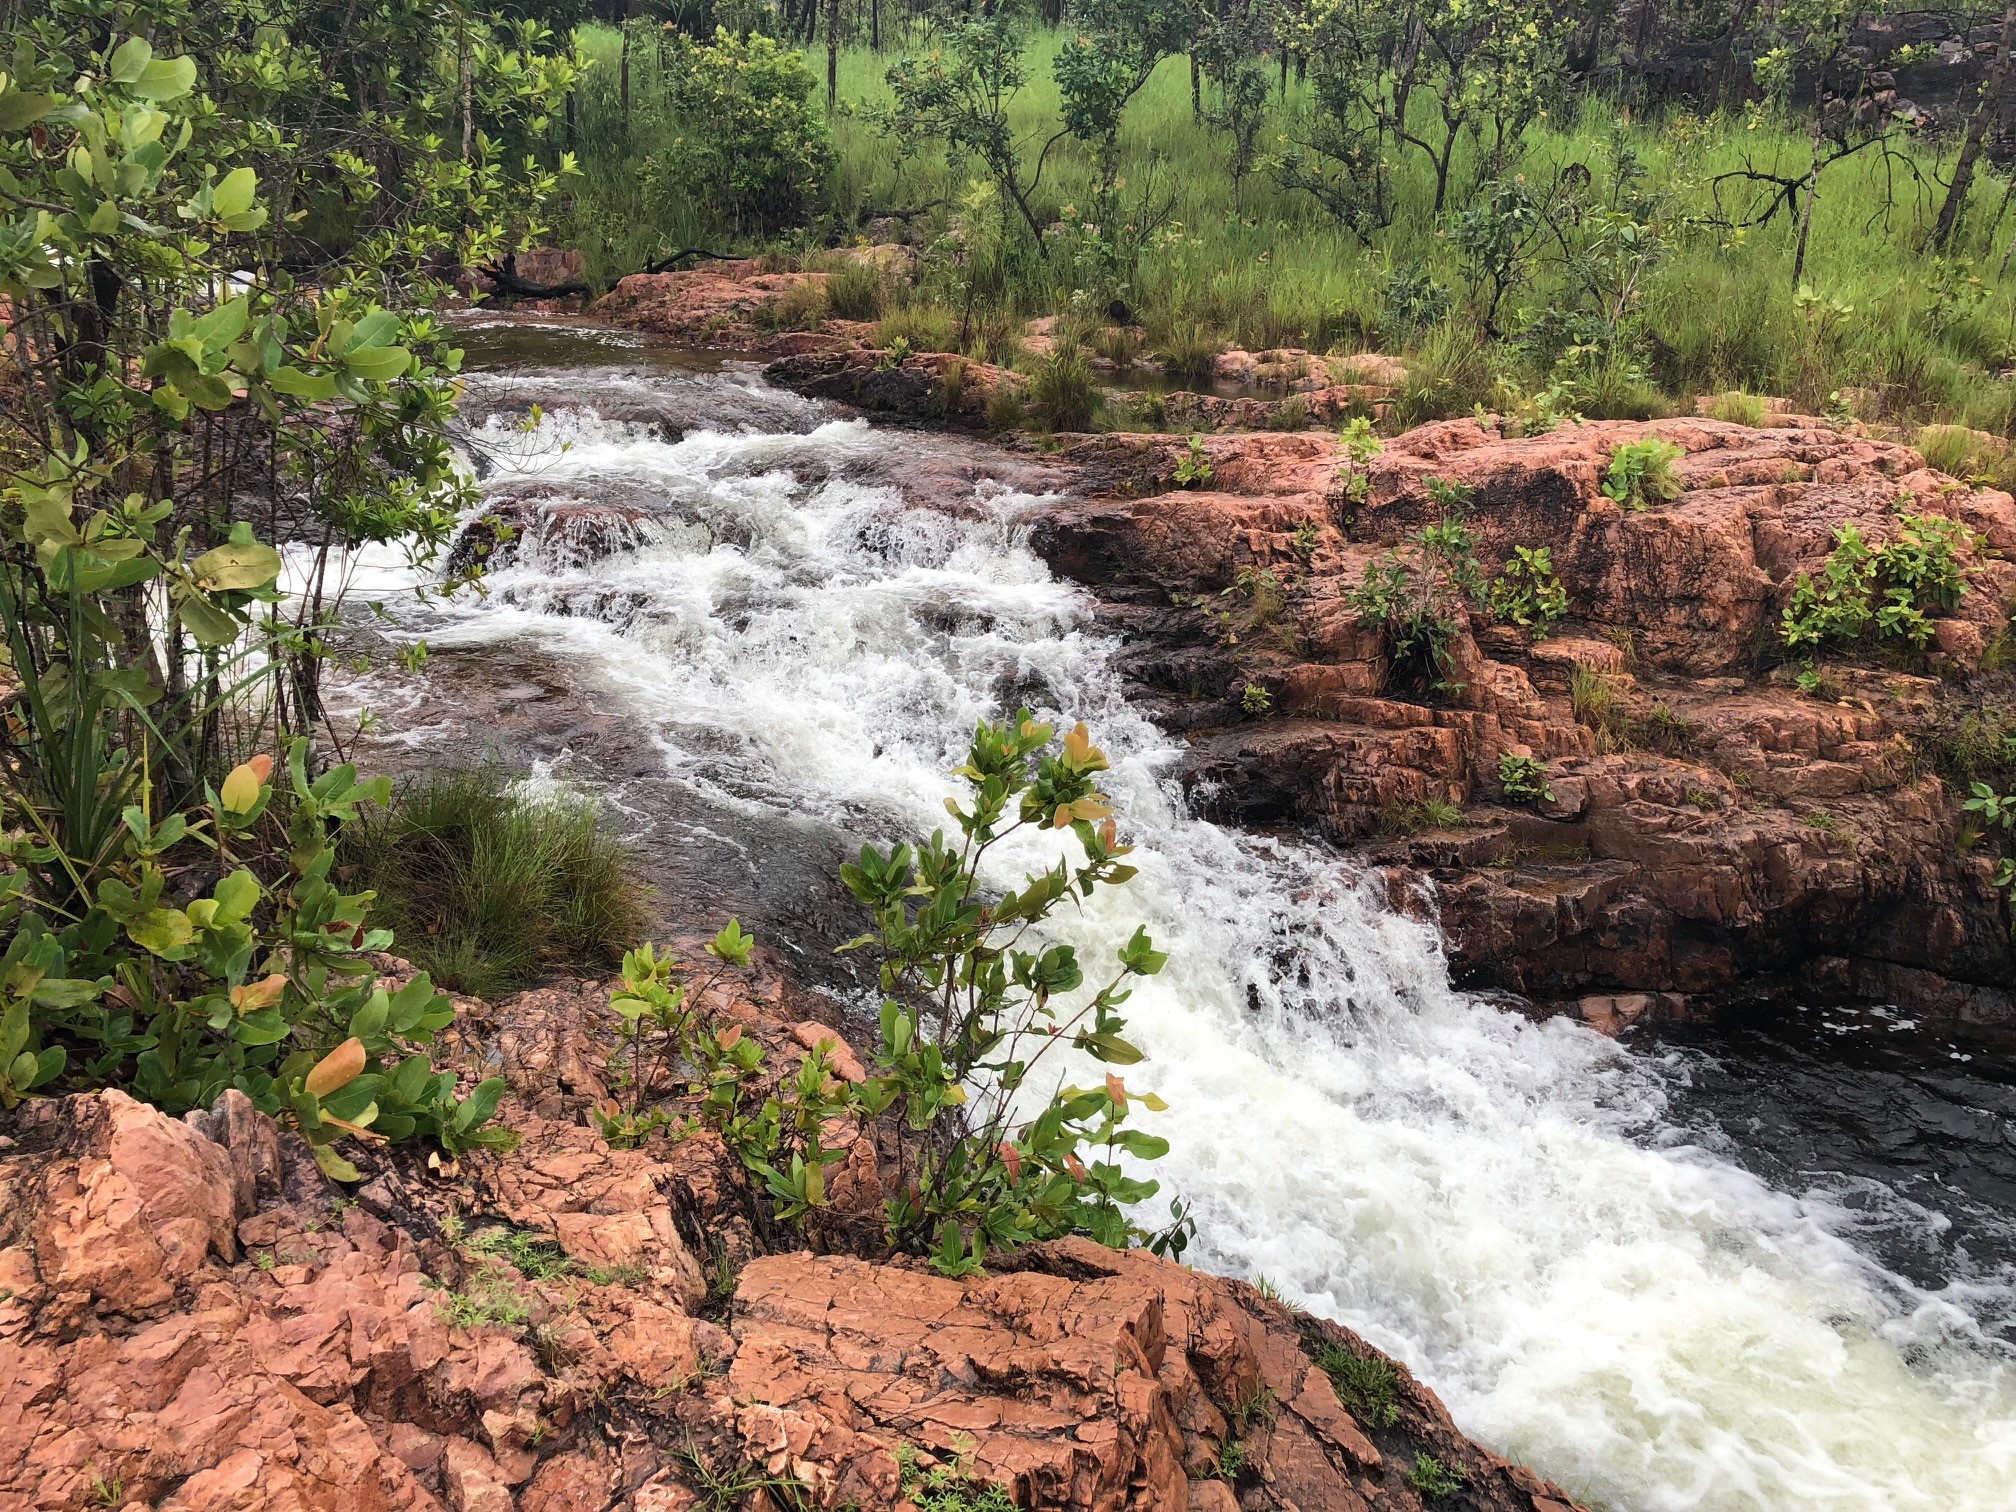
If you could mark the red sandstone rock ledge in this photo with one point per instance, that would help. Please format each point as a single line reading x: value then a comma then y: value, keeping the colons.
x: 1715, y: 831
x: 191, y: 1319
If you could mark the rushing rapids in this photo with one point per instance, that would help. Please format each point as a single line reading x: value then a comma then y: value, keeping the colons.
x: 806, y: 621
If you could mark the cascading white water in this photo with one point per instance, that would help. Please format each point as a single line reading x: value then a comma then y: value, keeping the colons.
x: 1496, y: 1201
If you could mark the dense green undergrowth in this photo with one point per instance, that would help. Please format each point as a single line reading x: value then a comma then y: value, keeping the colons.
x: 1664, y: 301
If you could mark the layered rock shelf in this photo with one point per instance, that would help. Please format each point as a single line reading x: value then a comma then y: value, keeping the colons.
x: 1714, y: 831
x: 191, y: 1318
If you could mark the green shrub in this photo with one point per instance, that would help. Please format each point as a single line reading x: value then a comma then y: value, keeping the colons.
x: 313, y: 1041
x: 1361, y: 442
x: 1194, y: 466
x: 1256, y: 700
x: 742, y: 135
x: 487, y: 889
x: 1738, y: 408
x: 1894, y: 591
x: 1524, y: 779
x: 923, y: 327
x: 172, y: 920
x: 1527, y: 593
x: 1434, y: 1479
x: 1642, y: 473
x: 1419, y: 598
x: 958, y: 1000
x: 799, y: 308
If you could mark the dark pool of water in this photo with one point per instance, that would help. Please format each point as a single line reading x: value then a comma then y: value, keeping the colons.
x: 1908, y: 1127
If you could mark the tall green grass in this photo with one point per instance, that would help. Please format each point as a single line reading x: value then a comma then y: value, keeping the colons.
x: 488, y: 889
x: 1923, y: 341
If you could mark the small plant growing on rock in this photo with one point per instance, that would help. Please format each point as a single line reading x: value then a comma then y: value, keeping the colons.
x: 1996, y: 810
x: 1527, y: 593
x: 1307, y: 534
x: 1263, y: 589
x: 963, y: 1003
x: 1368, y: 1385
x: 1434, y: 1478
x: 1411, y: 818
x: 1256, y: 700
x: 1642, y: 473
x: 1194, y: 466
x: 1737, y: 408
x: 1599, y: 706
x: 1894, y: 589
x: 660, y: 1030
x: 1421, y: 598
x: 1231, y: 1461
x: 1524, y: 779
x: 1360, y: 441
x: 948, y: 1488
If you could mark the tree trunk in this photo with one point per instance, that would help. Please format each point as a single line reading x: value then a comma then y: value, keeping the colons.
x: 1196, y: 91
x: 623, y: 71
x: 1806, y: 210
x: 1986, y: 113
x: 465, y: 80
x: 832, y: 53
x: 875, y: 25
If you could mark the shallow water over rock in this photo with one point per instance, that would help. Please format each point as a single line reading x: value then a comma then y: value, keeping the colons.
x: 1613, y: 1263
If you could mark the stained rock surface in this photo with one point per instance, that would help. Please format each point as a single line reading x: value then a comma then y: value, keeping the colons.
x: 1712, y: 829
x: 191, y: 1319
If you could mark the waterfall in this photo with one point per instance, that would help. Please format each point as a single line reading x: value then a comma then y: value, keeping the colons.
x: 1502, y: 1203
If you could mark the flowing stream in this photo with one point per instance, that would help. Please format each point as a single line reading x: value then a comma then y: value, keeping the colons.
x: 1558, y: 1233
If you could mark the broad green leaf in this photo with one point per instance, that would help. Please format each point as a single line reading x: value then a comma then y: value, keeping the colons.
x: 161, y: 931
x: 166, y: 79
x: 377, y: 364
x: 131, y: 60
x: 19, y: 111
x: 226, y: 323
x: 334, y: 1166
x: 375, y: 330
x: 236, y: 567
x: 233, y: 195
x: 311, y: 386
x: 210, y: 625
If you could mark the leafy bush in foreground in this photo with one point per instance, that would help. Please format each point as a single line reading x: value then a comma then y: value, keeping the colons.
x: 967, y: 1017
x: 1642, y: 473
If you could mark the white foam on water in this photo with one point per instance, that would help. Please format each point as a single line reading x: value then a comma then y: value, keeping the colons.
x: 1498, y: 1202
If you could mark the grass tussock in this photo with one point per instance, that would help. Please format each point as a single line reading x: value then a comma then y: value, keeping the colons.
x: 488, y: 889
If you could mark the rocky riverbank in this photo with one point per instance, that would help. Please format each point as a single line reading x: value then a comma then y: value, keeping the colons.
x: 1719, y: 828
x: 191, y: 1318
x: 1711, y: 829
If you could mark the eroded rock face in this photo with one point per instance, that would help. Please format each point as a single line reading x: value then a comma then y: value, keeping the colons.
x: 191, y: 1319
x: 1710, y: 827
x: 938, y: 386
